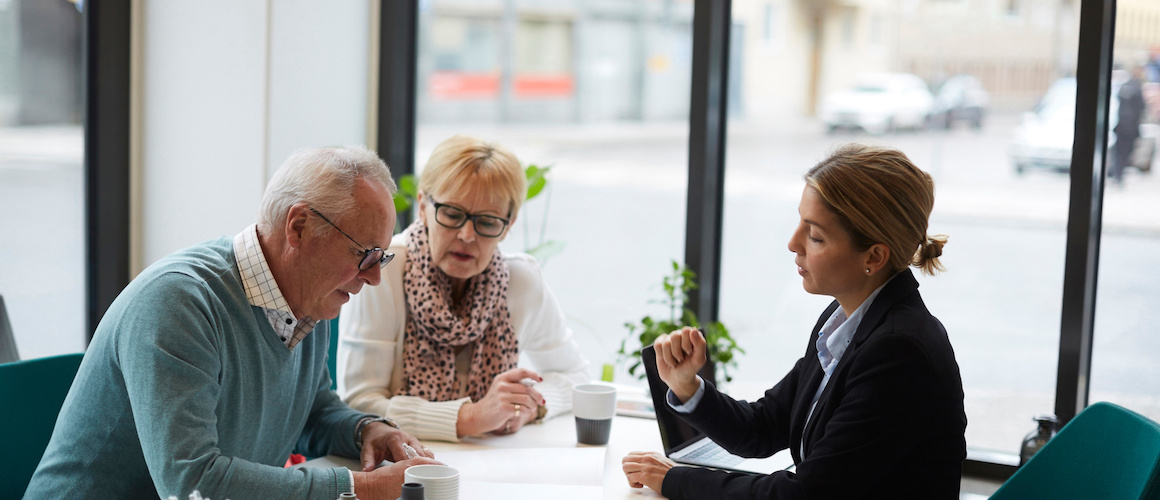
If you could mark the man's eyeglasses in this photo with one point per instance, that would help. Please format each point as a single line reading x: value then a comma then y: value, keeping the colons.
x: 453, y: 217
x: 370, y: 255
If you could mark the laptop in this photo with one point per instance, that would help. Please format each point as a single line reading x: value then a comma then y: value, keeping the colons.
x: 687, y: 445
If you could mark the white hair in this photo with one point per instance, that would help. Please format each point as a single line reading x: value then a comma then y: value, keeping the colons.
x: 323, y: 179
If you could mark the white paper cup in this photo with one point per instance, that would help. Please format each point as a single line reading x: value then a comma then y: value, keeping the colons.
x: 440, y: 482
x: 594, y: 401
x: 594, y: 406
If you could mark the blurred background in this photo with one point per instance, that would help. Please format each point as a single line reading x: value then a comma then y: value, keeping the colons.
x: 980, y: 93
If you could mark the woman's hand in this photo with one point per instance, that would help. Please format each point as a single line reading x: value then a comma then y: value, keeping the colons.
x: 646, y: 469
x: 680, y: 355
x: 508, y: 405
x: 383, y: 442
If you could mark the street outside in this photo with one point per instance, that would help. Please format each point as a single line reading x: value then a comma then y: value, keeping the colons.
x: 617, y: 199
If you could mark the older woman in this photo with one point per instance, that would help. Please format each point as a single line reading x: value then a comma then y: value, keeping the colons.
x: 435, y: 346
x: 874, y: 409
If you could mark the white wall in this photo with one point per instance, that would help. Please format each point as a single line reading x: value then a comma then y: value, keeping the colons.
x: 319, y: 75
x: 228, y: 90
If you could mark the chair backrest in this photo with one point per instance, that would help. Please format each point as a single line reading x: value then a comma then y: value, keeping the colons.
x: 1106, y: 451
x: 331, y: 359
x: 8, y: 352
x: 32, y: 392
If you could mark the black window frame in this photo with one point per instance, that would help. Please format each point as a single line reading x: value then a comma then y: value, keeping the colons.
x: 107, y: 148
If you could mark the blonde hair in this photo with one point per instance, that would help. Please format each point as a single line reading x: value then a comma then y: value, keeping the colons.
x: 879, y: 196
x: 463, y: 163
x: 323, y: 179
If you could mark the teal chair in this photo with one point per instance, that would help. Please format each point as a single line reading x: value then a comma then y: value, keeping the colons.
x: 1104, y: 452
x: 331, y: 359
x: 32, y: 392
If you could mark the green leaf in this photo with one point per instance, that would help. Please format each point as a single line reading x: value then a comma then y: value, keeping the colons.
x: 537, y: 179
x: 401, y: 202
x: 407, y: 194
x: 409, y: 186
x: 607, y: 373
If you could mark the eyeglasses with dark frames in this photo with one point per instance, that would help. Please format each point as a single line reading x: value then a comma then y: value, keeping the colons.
x: 370, y: 255
x: 453, y: 217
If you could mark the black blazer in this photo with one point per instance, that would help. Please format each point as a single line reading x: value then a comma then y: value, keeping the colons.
x: 889, y: 424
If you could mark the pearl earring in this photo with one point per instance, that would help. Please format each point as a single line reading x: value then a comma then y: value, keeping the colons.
x: 867, y: 270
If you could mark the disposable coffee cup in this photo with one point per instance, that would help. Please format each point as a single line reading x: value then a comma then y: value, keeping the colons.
x: 440, y: 482
x: 594, y: 406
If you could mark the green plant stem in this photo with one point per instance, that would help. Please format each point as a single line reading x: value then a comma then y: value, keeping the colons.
x: 544, y: 221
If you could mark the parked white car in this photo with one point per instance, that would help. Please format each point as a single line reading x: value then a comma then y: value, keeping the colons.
x: 878, y: 103
x: 1045, y: 136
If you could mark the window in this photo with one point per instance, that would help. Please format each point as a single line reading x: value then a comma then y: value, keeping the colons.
x: 769, y: 23
x: 1000, y: 297
x: 1124, y: 335
x: 1014, y: 7
x: 42, y: 267
x: 599, y: 92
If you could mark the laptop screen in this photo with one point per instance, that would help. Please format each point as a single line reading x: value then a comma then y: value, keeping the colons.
x: 675, y: 433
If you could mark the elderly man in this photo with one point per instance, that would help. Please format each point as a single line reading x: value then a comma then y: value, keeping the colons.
x: 210, y: 368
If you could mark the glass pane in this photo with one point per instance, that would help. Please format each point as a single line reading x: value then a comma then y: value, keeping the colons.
x: 42, y: 271
x: 599, y: 92
x: 1125, y: 337
x: 952, y: 84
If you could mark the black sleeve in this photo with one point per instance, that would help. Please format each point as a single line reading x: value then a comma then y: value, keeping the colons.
x: 869, y: 433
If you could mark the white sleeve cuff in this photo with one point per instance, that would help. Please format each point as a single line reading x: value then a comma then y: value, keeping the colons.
x: 689, y: 405
x: 437, y: 421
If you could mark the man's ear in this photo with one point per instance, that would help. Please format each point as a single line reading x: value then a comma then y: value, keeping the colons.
x: 296, y: 225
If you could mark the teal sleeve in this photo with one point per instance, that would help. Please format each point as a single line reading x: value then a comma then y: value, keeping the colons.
x: 171, y: 367
x: 331, y: 425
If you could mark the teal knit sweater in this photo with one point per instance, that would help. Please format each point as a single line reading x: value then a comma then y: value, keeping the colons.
x: 186, y: 387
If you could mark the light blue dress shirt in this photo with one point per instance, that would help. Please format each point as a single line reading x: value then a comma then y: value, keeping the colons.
x: 833, y: 339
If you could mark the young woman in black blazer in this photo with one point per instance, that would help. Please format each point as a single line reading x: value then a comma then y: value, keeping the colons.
x: 874, y: 409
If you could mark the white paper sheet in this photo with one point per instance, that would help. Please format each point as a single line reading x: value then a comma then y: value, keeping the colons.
x: 556, y: 473
x: 540, y: 466
x: 476, y: 490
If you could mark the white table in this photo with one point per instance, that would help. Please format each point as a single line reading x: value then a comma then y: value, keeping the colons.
x: 628, y: 434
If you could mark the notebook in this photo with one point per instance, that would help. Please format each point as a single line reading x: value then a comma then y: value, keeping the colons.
x: 687, y: 445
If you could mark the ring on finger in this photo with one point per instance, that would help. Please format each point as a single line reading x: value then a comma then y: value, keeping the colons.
x: 507, y: 426
x: 517, y: 406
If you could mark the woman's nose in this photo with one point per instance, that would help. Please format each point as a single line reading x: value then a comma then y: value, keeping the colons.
x: 467, y: 231
x: 795, y: 241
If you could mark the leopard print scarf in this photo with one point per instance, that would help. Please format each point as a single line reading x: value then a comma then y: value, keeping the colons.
x: 482, y: 321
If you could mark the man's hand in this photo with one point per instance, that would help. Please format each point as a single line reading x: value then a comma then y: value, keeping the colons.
x: 385, y: 483
x: 646, y: 469
x: 680, y: 355
x: 383, y: 442
x: 508, y: 405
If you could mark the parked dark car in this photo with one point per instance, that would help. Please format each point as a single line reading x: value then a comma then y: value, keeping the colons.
x: 961, y: 98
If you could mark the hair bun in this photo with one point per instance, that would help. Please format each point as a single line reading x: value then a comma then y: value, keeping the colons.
x: 932, y: 248
x: 928, y: 253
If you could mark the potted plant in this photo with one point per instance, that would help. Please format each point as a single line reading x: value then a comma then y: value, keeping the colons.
x: 721, y: 346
